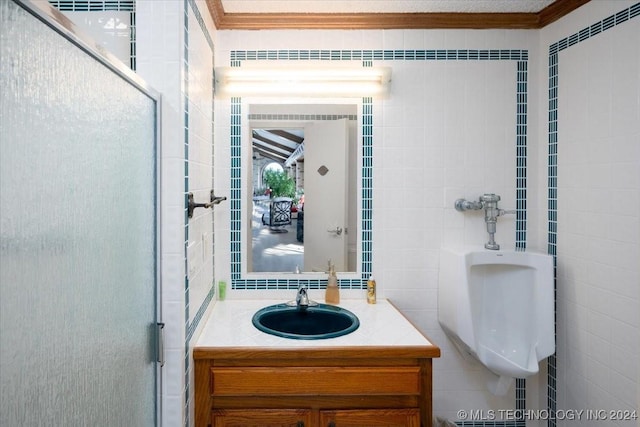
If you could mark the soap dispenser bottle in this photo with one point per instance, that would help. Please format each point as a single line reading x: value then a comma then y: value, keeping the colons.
x: 332, y: 293
x: 371, y: 290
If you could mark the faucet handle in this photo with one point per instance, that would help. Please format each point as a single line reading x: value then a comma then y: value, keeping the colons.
x: 302, y: 299
x: 489, y: 198
x: 462, y: 205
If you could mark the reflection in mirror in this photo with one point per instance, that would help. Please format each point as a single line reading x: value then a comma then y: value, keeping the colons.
x: 303, y: 187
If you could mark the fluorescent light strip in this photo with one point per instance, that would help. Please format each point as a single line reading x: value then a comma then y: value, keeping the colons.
x: 236, y: 81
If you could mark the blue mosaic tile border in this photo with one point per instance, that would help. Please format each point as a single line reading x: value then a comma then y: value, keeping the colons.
x: 367, y: 56
x: 190, y: 327
x: 185, y: 74
x: 236, y: 254
x: 552, y: 213
x: 367, y: 190
x: 285, y: 117
x: 185, y: 107
x: 521, y: 154
x: 93, y: 5
x: 552, y: 165
x: 378, y: 55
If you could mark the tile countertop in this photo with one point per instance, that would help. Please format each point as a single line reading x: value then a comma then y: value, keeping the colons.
x: 381, y: 325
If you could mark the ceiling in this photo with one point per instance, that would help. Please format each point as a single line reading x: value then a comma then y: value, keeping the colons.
x: 276, y: 144
x: 384, y: 6
x: 387, y: 14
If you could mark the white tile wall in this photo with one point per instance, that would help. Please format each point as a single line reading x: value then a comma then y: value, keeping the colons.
x: 598, y: 220
x: 200, y: 90
x: 159, y: 64
x: 447, y: 132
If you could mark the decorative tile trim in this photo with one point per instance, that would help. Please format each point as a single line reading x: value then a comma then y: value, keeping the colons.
x: 521, y: 155
x: 521, y: 199
x: 236, y: 256
x: 379, y: 55
x: 552, y: 163
x: 203, y: 26
x: 133, y: 49
x: 298, y: 117
x: 187, y: 326
x: 367, y: 192
x: 367, y: 57
x: 190, y: 327
x: 94, y: 5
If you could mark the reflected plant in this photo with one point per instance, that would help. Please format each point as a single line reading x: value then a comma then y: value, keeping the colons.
x: 281, y: 184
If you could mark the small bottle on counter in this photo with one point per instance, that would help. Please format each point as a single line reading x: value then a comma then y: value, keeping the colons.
x: 332, y: 293
x: 371, y: 290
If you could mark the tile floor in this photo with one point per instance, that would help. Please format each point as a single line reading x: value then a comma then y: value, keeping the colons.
x: 274, y: 251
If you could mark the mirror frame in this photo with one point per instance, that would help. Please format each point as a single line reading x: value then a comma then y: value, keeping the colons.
x: 299, y: 115
x: 243, y: 280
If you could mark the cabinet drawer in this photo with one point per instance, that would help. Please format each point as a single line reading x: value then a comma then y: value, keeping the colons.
x: 315, y: 381
x: 261, y: 418
x: 371, y: 418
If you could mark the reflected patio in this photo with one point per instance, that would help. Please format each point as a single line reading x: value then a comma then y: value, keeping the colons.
x: 279, y: 252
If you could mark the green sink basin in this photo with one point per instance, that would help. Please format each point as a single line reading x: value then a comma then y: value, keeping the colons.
x: 313, y: 323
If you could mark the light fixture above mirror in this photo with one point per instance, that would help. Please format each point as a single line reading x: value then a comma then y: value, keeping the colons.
x: 303, y: 81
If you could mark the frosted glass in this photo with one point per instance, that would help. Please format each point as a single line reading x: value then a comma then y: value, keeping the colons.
x: 110, y: 28
x: 78, y: 236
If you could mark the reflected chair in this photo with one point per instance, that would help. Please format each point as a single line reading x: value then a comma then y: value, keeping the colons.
x: 279, y: 214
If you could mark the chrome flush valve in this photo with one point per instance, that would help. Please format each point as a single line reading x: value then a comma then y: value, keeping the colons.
x: 491, y: 212
x: 488, y: 202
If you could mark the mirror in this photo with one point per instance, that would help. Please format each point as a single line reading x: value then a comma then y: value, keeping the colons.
x: 303, y: 164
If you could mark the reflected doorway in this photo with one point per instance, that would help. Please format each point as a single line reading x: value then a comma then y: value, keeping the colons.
x: 316, y: 152
x: 276, y: 225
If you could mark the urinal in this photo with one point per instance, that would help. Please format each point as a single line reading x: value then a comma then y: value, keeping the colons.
x: 498, y: 307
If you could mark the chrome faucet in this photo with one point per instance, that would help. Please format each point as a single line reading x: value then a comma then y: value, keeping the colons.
x: 302, y: 299
x: 488, y: 202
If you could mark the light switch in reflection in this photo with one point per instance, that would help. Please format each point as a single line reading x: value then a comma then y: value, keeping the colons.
x: 191, y: 259
x: 205, y: 246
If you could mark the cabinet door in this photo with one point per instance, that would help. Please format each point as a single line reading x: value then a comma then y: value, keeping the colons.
x: 261, y: 418
x: 371, y: 418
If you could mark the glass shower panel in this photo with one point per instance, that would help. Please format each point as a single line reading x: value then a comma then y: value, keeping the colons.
x: 78, y: 252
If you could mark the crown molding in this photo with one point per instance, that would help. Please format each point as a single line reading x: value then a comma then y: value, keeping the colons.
x: 557, y: 10
x: 366, y: 21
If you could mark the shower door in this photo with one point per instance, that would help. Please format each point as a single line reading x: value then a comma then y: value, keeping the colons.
x: 79, y: 232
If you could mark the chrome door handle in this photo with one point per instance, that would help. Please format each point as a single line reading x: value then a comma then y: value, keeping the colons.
x: 160, y: 343
x: 337, y: 231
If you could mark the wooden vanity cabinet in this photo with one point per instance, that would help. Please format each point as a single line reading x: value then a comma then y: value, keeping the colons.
x: 303, y: 417
x: 313, y: 387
